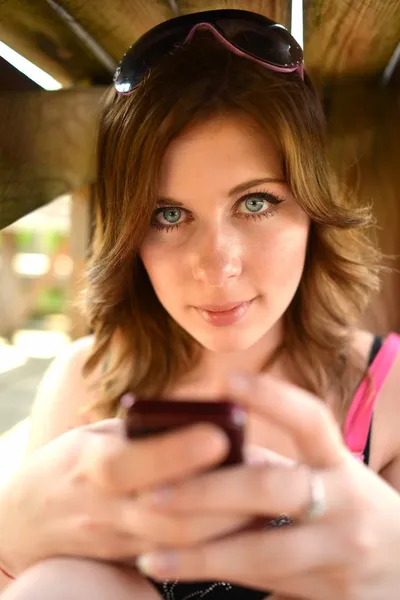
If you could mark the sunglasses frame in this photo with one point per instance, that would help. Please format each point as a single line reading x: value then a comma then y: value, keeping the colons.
x: 189, y: 24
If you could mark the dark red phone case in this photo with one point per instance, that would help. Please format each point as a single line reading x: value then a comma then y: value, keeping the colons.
x: 150, y: 417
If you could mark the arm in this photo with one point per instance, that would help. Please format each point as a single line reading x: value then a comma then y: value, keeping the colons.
x: 59, y: 398
x: 61, y: 393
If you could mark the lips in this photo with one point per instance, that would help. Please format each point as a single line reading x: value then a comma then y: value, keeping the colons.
x: 216, y: 308
x: 223, y: 315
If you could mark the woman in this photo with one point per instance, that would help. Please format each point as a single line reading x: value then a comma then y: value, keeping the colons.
x: 227, y: 260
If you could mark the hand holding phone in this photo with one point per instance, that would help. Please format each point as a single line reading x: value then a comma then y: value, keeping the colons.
x: 154, y: 416
x: 148, y: 417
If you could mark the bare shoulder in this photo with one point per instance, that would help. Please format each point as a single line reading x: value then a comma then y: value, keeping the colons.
x: 61, y: 393
x: 67, y: 367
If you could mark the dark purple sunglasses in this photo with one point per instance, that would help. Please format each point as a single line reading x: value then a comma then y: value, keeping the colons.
x: 245, y: 33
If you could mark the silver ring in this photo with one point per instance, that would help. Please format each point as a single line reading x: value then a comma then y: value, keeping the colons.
x: 317, y: 505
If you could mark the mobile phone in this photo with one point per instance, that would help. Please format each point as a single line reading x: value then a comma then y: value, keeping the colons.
x: 147, y: 417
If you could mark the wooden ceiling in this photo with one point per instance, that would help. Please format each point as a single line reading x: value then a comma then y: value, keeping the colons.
x: 350, y: 38
x: 342, y: 38
x: 46, y: 138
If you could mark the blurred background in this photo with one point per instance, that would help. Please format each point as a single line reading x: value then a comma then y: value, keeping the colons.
x: 56, y: 59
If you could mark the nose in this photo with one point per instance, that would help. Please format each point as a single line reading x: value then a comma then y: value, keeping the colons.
x: 216, y: 258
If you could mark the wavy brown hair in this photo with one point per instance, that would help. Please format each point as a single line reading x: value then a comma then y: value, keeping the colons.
x: 149, y: 349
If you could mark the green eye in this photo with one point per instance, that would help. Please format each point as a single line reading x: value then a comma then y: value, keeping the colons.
x: 254, y: 204
x: 257, y: 204
x: 171, y: 215
x: 169, y: 218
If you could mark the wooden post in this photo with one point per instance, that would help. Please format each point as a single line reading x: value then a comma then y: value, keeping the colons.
x: 11, y: 298
x: 80, y: 232
x: 364, y: 134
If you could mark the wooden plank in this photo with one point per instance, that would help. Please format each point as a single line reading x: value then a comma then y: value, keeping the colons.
x: 348, y: 37
x: 115, y: 24
x: 36, y: 31
x: 278, y: 10
x: 47, y: 147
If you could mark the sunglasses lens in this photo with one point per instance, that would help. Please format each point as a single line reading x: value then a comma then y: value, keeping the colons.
x: 143, y: 55
x: 273, y: 44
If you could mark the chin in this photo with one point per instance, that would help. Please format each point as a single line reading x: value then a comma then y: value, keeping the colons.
x: 224, y: 340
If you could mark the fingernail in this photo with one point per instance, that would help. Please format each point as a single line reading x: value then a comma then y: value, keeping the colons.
x: 127, y: 400
x: 255, y: 455
x: 239, y: 382
x: 161, y: 564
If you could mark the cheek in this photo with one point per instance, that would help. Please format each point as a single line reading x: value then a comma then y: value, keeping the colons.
x: 273, y: 253
x: 277, y: 256
x: 160, y: 262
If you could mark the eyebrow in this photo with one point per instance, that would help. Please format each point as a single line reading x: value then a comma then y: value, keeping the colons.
x: 165, y: 201
x: 252, y: 183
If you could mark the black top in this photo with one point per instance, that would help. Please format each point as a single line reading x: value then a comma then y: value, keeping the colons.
x: 376, y: 346
x: 211, y: 590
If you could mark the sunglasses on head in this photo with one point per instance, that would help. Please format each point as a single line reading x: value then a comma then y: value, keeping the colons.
x: 244, y: 33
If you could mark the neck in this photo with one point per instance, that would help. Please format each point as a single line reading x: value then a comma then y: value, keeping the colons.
x: 215, y: 366
x: 251, y: 359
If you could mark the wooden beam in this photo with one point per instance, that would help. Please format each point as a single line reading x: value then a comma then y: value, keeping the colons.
x: 40, y: 35
x: 79, y: 242
x: 278, y: 10
x: 115, y: 24
x: 341, y: 37
x: 349, y: 36
x: 11, y: 79
x: 46, y: 147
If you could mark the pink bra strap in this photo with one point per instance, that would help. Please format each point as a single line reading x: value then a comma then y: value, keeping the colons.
x: 359, y: 417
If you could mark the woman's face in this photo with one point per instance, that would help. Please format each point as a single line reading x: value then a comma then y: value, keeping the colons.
x: 226, y: 248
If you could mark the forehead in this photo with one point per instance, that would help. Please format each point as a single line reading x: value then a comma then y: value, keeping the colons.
x: 218, y: 153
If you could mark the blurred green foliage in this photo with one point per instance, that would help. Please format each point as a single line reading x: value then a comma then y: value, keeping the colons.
x: 51, y: 300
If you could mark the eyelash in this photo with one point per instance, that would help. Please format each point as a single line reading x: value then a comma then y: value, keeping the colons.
x: 273, y: 199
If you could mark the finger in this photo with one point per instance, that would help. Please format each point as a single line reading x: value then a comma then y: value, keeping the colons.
x: 258, y: 455
x: 175, y: 530
x: 131, y: 465
x: 298, y: 413
x: 114, y: 426
x: 134, y: 531
x: 269, y: 490
x: 248, y: 559
x: 307, y: 586
x: 96, y: 542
